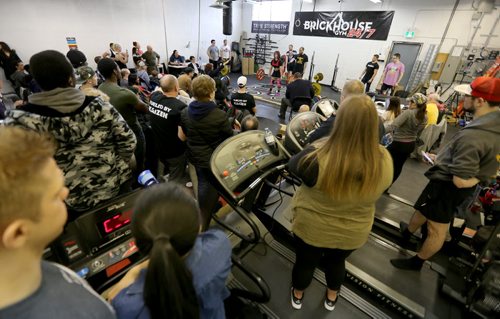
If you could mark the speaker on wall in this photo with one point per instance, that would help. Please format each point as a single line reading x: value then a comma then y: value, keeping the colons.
x: 227, y: 19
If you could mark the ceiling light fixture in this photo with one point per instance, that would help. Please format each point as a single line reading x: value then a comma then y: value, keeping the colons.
x: 219, y: 4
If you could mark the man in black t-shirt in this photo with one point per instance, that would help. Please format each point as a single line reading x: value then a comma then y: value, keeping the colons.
x: 370, y: 72
x: 165, y: 110
x: 290, y: 60
x: 301, y: 61
x: 298, y: 93
x: 241, y: 99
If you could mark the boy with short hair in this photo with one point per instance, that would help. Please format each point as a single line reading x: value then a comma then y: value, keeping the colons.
x: 393, y: 74
x: 33, y: 214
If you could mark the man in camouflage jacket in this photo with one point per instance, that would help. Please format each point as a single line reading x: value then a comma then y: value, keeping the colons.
x: 95, y: 144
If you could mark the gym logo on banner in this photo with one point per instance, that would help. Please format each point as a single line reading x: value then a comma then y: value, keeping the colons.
x: 366, y: 25
x: 270, y: 27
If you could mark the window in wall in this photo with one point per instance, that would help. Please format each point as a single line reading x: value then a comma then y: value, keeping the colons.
x: 272, y: 11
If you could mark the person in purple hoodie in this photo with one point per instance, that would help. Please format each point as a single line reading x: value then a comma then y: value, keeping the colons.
x: 204, y: 127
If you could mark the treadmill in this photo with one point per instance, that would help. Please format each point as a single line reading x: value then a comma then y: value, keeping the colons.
x: 406, y: 293
x: 249, y: 169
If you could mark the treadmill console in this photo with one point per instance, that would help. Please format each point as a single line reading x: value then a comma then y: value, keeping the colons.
x: 299, y: 129
x: 99, y: 244
x: 325, y: 107
x: 240, y: 157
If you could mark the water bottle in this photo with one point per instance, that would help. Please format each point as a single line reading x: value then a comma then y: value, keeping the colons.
x: 146, y: 178
x: 387, y: 139
x: 271, y: 141
x: 269, y: 137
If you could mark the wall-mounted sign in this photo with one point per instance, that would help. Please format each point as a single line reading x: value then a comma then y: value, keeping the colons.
x: 270, y: 27
x: 366, y: 25
x: 71, y: 43
x: 409, y: 34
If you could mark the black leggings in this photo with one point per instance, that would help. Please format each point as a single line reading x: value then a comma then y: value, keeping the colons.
x: 400, y: 151
x: 308, y: 258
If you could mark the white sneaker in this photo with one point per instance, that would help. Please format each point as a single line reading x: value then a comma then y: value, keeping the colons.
x: 329, y: 304
x: 296, y: 302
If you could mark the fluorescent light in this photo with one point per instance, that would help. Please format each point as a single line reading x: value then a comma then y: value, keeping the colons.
x: 376, y: 1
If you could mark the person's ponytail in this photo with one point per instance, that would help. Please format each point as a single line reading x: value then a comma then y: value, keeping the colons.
x: 168, y: 288
x: 165, y: 225
x: 421, y: 109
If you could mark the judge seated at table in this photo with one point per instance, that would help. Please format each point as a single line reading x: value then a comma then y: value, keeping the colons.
x: 176, y: 64
x: 176, y: 59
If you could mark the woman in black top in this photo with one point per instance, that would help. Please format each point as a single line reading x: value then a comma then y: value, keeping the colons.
x: 276, y: 72
x: 8, y: 60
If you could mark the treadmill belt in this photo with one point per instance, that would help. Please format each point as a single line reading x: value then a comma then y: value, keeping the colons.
x: 277, y: 271
x: 392, y: 211
x: 421, y: 287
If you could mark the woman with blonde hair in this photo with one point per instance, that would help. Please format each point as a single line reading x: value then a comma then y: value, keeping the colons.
x: 343, y: 175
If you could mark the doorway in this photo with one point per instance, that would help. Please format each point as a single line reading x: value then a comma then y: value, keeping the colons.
x: 409, y: 53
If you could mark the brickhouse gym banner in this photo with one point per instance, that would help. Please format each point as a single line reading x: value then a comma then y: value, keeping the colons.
x: 366, y: 25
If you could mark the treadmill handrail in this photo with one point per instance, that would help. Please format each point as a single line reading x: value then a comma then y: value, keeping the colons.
x: 243, y: 214
x: 239, y: 198
x: 265, y: 291
x: 292, y: 178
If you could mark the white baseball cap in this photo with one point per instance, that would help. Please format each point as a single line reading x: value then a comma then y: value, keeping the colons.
x: 463, y: 89
x: 242, y: 81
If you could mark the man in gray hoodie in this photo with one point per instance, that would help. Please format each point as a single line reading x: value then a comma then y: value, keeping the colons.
x: 94, y: 143
x: 468, y: 159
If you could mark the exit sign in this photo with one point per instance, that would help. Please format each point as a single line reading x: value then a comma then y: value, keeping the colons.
x: 409, y: 34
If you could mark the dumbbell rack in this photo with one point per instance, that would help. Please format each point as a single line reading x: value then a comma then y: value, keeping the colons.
x: 262, y: 48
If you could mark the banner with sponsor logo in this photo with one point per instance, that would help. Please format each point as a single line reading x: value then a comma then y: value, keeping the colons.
x: 271, y: 27
x: 366, y: 25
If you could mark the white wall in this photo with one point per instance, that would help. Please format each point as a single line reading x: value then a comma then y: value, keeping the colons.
x: 427, y: 17
x: 31, y: 26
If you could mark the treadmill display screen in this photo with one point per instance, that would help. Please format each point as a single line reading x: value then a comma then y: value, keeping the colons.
x: 240, y: 157
x: 114, y: 222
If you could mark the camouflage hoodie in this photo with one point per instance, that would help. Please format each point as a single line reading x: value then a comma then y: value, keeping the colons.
x: 95, y: 144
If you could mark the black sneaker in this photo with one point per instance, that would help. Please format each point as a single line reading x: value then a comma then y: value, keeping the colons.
x: 329, y: 304
x: 413, y: 263
x: 403, y: 229
x: 296, y: 302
